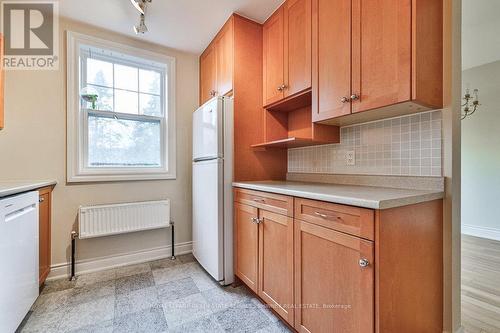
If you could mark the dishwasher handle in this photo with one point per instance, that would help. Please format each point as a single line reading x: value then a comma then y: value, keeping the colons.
x: 19, y: 212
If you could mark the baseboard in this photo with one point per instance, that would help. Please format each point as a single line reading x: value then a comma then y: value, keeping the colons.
x: 460, y: 330
x: 62, y: 270
x: 483, y: 232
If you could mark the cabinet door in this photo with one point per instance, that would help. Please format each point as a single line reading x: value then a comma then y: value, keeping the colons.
x: 276, y: 262
x: 331, y: 31
x: 224, y: 52
x: 335, y: 291
x: 381, y: 43
x: 273, y: 58
x: 246, y: 244
x: 44, y: 210
x: 208, y: 72
x: 297, y: 14
x: 2, y: 75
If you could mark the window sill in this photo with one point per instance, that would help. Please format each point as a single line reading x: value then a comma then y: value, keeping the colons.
x: 118, y: 178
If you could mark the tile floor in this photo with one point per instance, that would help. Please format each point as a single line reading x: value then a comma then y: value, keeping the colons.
x: 159, y: 296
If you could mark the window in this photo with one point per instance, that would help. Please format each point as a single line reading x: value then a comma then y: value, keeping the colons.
x: 120, y: 112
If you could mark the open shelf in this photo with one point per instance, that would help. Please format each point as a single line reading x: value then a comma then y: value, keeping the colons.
x: 293, y: 128
x: 289, y: 143
x: 297, y: 101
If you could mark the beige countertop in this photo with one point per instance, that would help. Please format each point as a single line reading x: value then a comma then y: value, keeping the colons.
x: 353, y: 195
x: 15, y: 187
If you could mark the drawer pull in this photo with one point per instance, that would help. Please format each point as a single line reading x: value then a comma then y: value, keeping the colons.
x: 320, y: 215
x: 259, y: 200
x: 363, y: 263
x: 324, y: 216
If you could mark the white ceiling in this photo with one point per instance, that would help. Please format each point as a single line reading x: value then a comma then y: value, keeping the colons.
x: 187, y: 25
x: 480, y: 32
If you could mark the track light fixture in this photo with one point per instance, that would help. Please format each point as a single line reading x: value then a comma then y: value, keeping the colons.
x: 140, y: 5
x: 141, y: 28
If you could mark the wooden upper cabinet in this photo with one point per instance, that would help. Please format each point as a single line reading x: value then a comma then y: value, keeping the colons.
x: 384, y: 55
x: 2, y: 77
x: 246, y: 243
x: 208, y: 74
x: 328, y: 273
x: 381, y: 56
x: 224, y: 51
x: 217, y: 64
x: 273, y: 54
x: 287, y: 51
x: 276, y: 263
x: 297, y: 47
x: 331, y: 45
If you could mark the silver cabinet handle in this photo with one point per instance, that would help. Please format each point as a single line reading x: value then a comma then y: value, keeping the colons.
x: 354, y: 97
x: 324, y: 216
x: 256, y: 220
x: 41, y: 199
x: 364, y: 263
x: 321, y: 215
x: 345, y: 99
x: 282, y: 87
x: 258, y: 200
x: 213, y: 93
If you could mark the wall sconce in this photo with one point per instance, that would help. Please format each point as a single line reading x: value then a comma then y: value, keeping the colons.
x: 471, y: 103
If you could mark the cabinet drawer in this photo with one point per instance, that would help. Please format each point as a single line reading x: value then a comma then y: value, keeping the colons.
x: 351, y: 220
x: 280, y: 204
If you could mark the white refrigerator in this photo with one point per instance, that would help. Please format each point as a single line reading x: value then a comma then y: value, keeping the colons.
x: 212, y: 188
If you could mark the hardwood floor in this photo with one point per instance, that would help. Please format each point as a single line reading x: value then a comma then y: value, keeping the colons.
x: 480, y: 285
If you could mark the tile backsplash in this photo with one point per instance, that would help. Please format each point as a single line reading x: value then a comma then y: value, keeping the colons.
x: 408, y: 146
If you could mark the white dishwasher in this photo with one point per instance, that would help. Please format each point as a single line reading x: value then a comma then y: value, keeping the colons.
x: 18, y: 258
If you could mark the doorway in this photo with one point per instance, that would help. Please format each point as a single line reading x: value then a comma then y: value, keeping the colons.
x: 480, y: 208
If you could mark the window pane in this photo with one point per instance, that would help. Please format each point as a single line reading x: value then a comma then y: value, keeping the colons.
x: 99, y: 72
x: 149, y: 82
x: 126, y: 101
x: 123, y: 143
x: 126, y: 77
x: 150, y: 105
x: 104, y: 99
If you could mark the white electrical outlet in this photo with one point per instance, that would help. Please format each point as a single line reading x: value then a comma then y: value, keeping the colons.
x: 350, y: 157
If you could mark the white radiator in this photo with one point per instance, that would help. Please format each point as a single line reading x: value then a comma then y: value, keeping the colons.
x: 105, y: 220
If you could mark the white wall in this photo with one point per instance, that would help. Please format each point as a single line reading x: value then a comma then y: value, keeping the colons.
x: 480, y: 37
x: 481, y: 153
x: 33, y: 146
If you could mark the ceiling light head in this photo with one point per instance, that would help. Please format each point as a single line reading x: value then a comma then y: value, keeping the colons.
x: 140, y: 5
x: 141, y: 28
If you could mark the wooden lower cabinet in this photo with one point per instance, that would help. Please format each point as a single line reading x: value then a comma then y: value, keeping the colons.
x: 44, y: 230
x: 340, y: 269
x: 246, y: 244
x: 276, y: 263
x: 264, y: 256
x: 333, y: 292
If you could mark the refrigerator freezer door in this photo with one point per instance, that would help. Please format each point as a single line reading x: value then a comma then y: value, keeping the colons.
x: 207, y: 131
x: 208, y: 219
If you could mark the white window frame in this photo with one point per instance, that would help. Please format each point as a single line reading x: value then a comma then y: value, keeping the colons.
x: 77, y: 149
